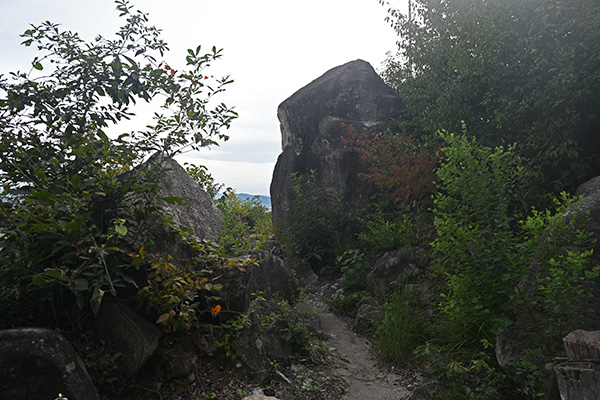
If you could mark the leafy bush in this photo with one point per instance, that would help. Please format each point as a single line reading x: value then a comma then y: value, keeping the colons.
x: 354, y: 268
x: 403, y: 169
x: 403, y: 326
x: 246, y: 223
x: 476, y: 246
x: 513, y: 71
x: 316, y: 225
x: 69, y: 218
x: 474, y: 377
x: 205, y: 179
x: 500, y: 271
x: 348, y: 305
x: 393, y: 230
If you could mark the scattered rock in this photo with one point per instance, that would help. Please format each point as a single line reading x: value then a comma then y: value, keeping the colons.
x: 251, y: 350
x: 128, y: 333
x: 395, y: 268
x: 366, y: 315
x: 259, y: 397
x: 174, y: 363
x: 39, y: 364
x: 270, y: 277
x: 582, y: 345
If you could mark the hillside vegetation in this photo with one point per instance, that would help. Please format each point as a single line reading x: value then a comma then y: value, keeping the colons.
x: 501, y: 121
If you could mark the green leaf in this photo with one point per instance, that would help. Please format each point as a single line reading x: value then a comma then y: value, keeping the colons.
x: 38, y: 280
x: 121, y: 230
x: 43, y: 196
x: 164, y: 317
x: 38, y: 66
x: 81, y: 284
x: 75, y: 181
x: 56, y: 274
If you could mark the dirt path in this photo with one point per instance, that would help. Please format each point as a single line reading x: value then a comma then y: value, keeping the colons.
x: 366, y: 380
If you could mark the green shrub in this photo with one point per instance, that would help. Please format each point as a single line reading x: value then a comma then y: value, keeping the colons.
x: 205, y: 179
x: 384, y: 231
x: 402, y: 326
x: 72, y: 224
x: 354, y: 268
x: 348, y: 305
x: 484, y: 253
x: 476, y: 246
x: 317, y: 225
x: 246, y: 223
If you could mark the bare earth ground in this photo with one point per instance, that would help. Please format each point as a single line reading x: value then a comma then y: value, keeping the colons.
x: 366, y: 378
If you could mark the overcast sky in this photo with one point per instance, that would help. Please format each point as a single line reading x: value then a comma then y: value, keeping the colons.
x: 272, y: 48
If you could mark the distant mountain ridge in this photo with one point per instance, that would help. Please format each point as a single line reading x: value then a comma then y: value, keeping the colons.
x: 266, y: 200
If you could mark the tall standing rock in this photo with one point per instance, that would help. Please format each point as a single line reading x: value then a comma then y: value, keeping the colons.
x: 312, y: 128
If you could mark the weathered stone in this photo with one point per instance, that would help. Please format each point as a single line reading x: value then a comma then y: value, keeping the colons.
x: 204, y: 339
x: 578, y: 380
x: 267, y: 277
x: 40, y: 364
x: 276, y: 346
x: 366, y: 315
x: 251, y: 350
x: 174, y: 363
x: 582, y: 345
x: 128, y: 333
x: 270, y: 277
x: 312, y: 129
x: 197, y: 212
x: 259, y: 397
x: 395, y: 268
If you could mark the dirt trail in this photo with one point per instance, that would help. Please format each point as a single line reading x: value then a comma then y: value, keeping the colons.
x: 366, y: 380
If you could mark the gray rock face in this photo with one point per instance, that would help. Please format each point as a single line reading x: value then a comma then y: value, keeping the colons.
x: 395, y: 268
x: 199, y: 213
x: 311, y: 130
x: 269, y: 276
x: 174, y: 363
x: 368, y: 311
x: 39, y: 364
x: 251, y: 350
x: 128, y: 333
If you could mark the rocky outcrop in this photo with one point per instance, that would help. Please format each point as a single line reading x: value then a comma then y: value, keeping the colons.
x: 183, y: 202
x: 312, y: 127
x: 127, y: 333
x: 267, y: 276
x: 395, y: 268
x: 41, y: 364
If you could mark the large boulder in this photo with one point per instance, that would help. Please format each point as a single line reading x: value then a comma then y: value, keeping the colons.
x: 312, y: 122
x: 127, y: 333
x: 267, y: 276
x: 40, y: 364
x: 195, y: 210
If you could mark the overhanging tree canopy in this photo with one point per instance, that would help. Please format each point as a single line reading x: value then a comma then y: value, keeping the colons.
x: 513, y: 71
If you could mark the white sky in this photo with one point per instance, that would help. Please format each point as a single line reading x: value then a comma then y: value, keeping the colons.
x: 272, y: 48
